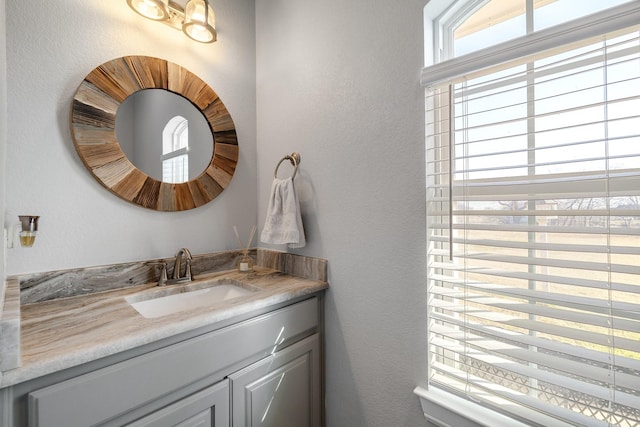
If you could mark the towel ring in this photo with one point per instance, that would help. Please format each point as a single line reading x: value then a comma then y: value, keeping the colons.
x: 294, y: 158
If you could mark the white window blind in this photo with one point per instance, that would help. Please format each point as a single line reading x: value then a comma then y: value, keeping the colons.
x: 533, y: 203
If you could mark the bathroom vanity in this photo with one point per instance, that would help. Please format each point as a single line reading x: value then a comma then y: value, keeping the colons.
x: 250, y: 360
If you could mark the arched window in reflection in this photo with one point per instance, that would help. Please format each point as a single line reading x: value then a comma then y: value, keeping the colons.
x: 175, y: 150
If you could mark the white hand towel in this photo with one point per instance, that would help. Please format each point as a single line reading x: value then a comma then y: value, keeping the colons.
x: 283, y: 224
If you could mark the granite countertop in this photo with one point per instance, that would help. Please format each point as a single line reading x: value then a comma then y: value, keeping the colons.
x: 66, y: 332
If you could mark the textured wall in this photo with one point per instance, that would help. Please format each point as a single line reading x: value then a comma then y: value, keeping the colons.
x: 338, y: 81
x: 51, y: 46
x: 3, y: 124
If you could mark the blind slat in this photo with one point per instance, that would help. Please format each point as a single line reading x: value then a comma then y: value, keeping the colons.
x: 571, y: 351
x: 624, y: 309
x: 549, y: 262
x: 483, y: 347
x: 558, y: 247
x: 524, y: 308
x: 521, y: 228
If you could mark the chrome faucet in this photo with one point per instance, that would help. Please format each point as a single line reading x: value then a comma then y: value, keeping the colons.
x: 176, y: 277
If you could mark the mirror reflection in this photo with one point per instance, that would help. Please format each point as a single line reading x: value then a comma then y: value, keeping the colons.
x: 164, y: 135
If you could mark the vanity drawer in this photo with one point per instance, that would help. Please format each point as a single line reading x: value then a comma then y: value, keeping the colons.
x: 109, y: 392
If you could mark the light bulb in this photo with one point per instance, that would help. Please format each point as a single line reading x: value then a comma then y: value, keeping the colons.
x: 199, y: 21
x: 158, y: 10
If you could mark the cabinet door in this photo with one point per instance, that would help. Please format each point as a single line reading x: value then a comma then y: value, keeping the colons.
x: 207, y: 408
x: 282, y: 390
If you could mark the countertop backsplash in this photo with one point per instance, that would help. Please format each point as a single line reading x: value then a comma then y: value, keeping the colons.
x: 39, y: 287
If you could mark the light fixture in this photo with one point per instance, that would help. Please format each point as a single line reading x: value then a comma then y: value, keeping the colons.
x: 196, y: 20
x: 199, y: 21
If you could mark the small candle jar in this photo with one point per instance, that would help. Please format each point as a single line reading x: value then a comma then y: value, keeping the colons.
x: 27, y: 238
x: 245, y: 264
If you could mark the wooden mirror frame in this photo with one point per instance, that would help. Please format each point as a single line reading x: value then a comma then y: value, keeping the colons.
x: 93, y: 118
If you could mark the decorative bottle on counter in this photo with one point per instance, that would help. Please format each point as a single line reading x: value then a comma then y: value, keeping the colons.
x: 245, y: 264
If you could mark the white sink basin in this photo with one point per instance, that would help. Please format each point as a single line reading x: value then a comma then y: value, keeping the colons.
x: 173, y: 299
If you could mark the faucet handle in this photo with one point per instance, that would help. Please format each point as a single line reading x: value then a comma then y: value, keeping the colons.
x: 163, y: 274
x: 187, y: 270
x: 162, y: 279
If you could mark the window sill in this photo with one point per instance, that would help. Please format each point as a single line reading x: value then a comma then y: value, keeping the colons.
x: 447, y: 410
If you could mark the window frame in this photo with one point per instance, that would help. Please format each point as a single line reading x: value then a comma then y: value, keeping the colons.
x: 440, y: 406
x: 177, y: 128
x: 609, y: 20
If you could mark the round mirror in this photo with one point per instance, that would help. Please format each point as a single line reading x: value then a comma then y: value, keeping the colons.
x: 96, y: 113
x: 164, y: 135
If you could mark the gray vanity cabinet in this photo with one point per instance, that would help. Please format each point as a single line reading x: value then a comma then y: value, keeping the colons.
x: 263, y: 370
x: 282, y: 390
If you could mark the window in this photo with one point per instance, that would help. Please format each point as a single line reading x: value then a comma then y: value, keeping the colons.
x: 472, y: 25
x: 533, y: 204
x: 175, y: 150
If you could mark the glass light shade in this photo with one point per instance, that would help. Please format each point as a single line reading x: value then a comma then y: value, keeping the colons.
x: 158, y: 10
x: 199, y: 21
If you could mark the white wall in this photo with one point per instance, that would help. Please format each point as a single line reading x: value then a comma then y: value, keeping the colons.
x: 3, y: 125
x: 338, y: 81
x: 51, y: 46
